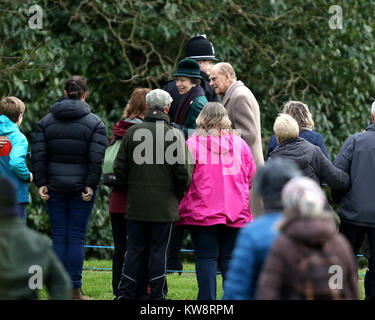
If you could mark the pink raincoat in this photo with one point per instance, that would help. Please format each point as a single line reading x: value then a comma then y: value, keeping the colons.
x: 223, y: 174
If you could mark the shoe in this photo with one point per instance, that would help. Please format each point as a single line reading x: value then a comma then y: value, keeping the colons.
x: 77, y: 294
x: 175, y: 266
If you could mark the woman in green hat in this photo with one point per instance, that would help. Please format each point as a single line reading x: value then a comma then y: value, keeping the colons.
x: 188, y: 79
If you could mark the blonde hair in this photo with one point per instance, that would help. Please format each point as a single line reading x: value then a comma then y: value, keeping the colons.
x: 213, y: 117
x: 12, y: 107
x: 300, y: 112
x: 227, y: 69
x: 137, y: 104
x: 285, y: 127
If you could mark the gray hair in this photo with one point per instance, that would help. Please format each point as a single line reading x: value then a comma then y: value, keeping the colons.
x: 158, y: 99
x: 226, y: 68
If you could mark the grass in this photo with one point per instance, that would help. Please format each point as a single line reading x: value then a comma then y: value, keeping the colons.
x: 98, y: 284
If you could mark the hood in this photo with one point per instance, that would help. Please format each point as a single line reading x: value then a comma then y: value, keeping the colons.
x: 223, y: 144
x: 6, y: 125
x: 70, y: 109
x: 310, y: 231
x: 296, y: 149
x: 121, y: 126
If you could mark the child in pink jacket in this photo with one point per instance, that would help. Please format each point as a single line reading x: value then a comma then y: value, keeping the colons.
x: 217, y: 202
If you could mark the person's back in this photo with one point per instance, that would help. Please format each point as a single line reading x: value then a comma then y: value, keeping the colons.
x: 356, y: 157
x: 299, y: 263
x: 309, y: 158
x: 13, y: 154
x: 70, y: 140
x: 151, y: 173
x: 255, y: 240
x: 311, y: 136
x: 27, y: 262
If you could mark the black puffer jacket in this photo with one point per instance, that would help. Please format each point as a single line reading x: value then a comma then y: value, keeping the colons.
x: 68, y: 147
x: 312, y: 162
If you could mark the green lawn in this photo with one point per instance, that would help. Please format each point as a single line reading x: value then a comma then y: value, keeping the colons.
x: 98, y: 284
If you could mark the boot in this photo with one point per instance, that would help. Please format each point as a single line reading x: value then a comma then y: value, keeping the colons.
x: 77, y: 294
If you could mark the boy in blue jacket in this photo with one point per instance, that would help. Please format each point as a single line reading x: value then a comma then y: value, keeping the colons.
x: 13, y: 153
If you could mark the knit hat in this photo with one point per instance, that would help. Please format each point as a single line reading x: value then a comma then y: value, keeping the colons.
x: 271, y: 178
x: 158, y: 98
x: 7, y: 198
x: 302, y: 197
x: 199, y: 48
x: 188, y: 68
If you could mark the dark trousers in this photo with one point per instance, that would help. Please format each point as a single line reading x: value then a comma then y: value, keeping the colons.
x: 145, y: 260
x: 177, y: 237
x: 355, y: 234
x: 119, y: 234
x: 212, y: 245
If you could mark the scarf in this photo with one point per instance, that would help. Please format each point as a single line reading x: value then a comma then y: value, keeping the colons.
x: 185, y: 103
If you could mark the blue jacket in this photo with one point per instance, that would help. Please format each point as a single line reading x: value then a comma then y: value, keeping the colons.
x: 252, y: 246
x: 311, y: 136
x: 13, y: 158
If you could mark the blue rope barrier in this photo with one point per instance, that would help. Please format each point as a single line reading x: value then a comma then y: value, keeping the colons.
x: 168, y: 271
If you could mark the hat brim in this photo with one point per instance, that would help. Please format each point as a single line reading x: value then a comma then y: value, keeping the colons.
x: 201, y: 58
x: 182, y: 74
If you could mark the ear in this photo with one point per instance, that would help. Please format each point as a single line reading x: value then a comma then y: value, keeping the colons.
x: 84, y: 96
x: 65, y: 93
x: 372, y: 118
x: 166, y: 110
x: 19, y: 120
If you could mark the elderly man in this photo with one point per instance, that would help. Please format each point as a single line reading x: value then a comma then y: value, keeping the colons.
x: 155, y: 167
x: 243, y: 110
x: 357, y: 210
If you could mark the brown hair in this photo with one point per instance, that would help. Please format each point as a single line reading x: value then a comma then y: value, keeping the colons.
x: 76, y: 86
x: 300, y: 112
x: 137, y: 104
x: 213, y: 117
x: 12, y: 107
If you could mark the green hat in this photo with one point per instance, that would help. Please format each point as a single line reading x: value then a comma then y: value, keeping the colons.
x: 188, y: 68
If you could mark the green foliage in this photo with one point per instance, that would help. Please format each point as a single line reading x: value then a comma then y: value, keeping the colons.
x: 281, y: 49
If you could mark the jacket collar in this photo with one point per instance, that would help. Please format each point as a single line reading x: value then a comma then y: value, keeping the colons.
x: 154, y: 115
x: 291, y: 140
x: 230, y: 90
x: 371, y: 127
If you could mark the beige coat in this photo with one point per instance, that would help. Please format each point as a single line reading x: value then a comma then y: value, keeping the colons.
x: 243, y: 110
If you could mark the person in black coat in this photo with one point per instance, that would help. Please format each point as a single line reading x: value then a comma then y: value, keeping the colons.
x: 201, y: 50
x: 309, y: 158
x: 67, y: 155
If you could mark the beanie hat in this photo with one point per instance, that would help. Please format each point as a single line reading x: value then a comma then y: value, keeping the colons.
x: 199, y: 48
x: 158, y: 98
x: 188, y: 68
x: 271, y: 178
x: 302, y: 197
x: 7, y: 198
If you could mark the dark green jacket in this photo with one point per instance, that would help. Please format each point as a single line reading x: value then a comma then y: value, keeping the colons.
x: 154, y: 176
x: 22, y: 248
x: 195, y: 109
